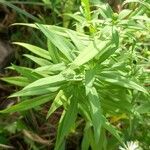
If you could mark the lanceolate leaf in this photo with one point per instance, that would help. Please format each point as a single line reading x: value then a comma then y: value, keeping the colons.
x: 28, y: 104
x: 89, y: 80
x: 105, y: 53
x: 116, y: 79
x: 56, y: 103
x: 56, y: 30
x: 36, y: 91
x: 86, y: 137
x: 124, y: 13
x: 51, y: 68
x: 89, y: 53
x: 51, y: 81
x: 113, y: 131
x: 34, y: 49
x: 18, y: 80
x: 39, y: 61
x: 53, y: 52
x: 60, y: 42
x: 105, y: 11
x: 96, y: 113
x: 75, y: 39
x: 42, y: 86
x: 115, y: 36
x: 27, y: 72
x: 67, y: 122
x: 86, y: 6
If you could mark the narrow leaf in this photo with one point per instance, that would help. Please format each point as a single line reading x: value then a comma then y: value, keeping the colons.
x: 34, y: 49
x: 89, y: 53
x: 116, y: 79
x: 27, y: 72
x: 89, y: 80
x: 59, y: 41
x: 96, y: 113
x: 28, y: 104
x: 37, y: 60
x: 56, y: 103
x: 67, y: 122
x: 51, y: 80
x: 36, y: 91
x: 19, y: 81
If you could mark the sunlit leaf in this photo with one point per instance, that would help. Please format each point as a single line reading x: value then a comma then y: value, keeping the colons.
x: 96, y: 113
x: 39, y: 61
x: 18, y: 80
x: 60, y: 42
x: 34, y: 49
x: 56, y: 103
x: 28, y: 104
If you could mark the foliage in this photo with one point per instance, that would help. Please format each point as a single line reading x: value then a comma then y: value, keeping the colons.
x: 99, y: 71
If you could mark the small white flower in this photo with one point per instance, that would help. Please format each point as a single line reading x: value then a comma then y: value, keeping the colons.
x: 132, y: 145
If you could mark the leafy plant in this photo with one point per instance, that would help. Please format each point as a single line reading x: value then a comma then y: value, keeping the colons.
x: 98, y: 72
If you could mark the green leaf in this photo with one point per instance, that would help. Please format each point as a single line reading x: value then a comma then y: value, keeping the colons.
x: 60, y: 42
x: 39, y: 61
x: 116, y: 79
x: 105, y: 11
x: 27, y: 72
x: 142, y: 18
x: 61, y: 31
x: 115, y: 36
x: 28, y: 104
x: 54, y: 68
x: 42, y: 86
x: 67, y: 122
x: 51, y: 81
x: 86, y: 6
x: 112, y: 104
x: 86, y: 138
x: 89, y: 53
x: 89, y: 80
x: 56, y: 103
x: 34, y: 49
x: 75, y: 39
x: 124, y: 14
x: 36, y: 91
x: 84, y: 109
x: 106, y: 52
x: 113, y: 131
x: 19, y: 81
x: 53, y: 52
x: 96, y: 113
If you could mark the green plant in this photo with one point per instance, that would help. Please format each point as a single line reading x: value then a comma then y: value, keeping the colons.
x: 99, y: 72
